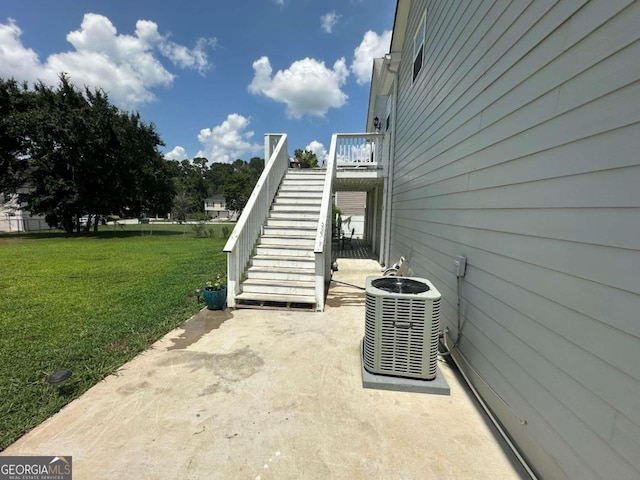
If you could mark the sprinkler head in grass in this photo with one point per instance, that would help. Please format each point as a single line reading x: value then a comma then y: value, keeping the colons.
x: 59, y: 377
x: 198, y: 292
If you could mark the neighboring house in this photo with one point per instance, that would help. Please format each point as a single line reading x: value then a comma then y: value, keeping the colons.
x: 514, y: 132
x: 216, y: 207
x: 14, y: 218
x: 353, y: 206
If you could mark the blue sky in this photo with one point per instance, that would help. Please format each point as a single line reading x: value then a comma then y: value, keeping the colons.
x: 213, y: 76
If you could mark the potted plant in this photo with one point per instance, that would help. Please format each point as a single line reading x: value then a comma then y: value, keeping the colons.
x: 215, y: 294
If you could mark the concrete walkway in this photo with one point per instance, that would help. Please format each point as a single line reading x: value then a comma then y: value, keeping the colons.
x: 257, y: 394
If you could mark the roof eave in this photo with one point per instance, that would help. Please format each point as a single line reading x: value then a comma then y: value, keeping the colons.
x: 383, y: 71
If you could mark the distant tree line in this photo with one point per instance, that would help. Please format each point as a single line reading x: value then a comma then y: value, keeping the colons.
x: 196, y: 180
x: 71, y: 154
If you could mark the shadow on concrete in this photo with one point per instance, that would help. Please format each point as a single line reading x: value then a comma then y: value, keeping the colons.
x: 345, y: 296
x: 198, y: 326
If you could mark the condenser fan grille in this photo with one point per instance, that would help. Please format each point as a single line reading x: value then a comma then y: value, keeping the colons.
x: 434, y: 334
x: 402, y: 339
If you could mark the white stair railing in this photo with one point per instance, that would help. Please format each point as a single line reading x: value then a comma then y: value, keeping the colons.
x: 322, y: 248
x: 355, y: 150
x: 247, y: 230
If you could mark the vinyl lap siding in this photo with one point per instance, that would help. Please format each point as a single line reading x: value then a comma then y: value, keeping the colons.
x: 517, y: 146
x: 351, y: 203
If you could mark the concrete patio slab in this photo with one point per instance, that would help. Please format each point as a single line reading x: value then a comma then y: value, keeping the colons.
x: 270, y: 395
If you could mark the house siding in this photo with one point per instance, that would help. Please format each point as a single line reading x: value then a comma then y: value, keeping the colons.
x: 517, y: 146
x: 353, y: 206
x: 351, y: 203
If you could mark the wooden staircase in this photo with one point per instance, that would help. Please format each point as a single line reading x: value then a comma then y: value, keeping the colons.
x: 281, y: 272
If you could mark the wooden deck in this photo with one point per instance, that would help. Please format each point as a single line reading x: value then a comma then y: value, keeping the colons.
x: 360, y: 249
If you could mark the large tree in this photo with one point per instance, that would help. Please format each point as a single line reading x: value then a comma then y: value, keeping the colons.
x: 190, y: 178
x: 85, y: 157
x: 241, y: 182
x: 14, y: 102
x: 217, y: 177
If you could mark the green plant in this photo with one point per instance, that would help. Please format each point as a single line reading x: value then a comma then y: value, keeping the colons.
x: 336, y: 218
x: 218, y: 284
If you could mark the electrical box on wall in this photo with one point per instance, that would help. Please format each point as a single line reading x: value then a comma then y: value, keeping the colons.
x: 460, y: 265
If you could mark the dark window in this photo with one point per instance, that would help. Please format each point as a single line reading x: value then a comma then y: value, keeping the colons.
x: 417, y: 63
x: 418, y: 46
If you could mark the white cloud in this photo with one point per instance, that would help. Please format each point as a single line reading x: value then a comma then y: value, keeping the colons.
x: 228, y: 141
x: 16, y: 60
x: 195, y: 58
x: 125, y: 66
x: 329, y: 20
x: 372, y: 46
x: 321, y: 152
x: 178, y: 153
x: 307, y: 87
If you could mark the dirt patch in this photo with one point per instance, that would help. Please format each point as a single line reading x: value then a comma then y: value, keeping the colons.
x: 130, y: 389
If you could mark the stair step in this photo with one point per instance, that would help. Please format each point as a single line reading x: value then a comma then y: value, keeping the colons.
x: 293, y: 231
x: 280, y: 273
x: 299, y: 194
x: 301, y: 188
x: 295, y: 215
x: 295, y: 201
x: 285, y: 251
x: 247, y: 299
x: 293, y: 172
x: 302, y: 181
x: 278, y: 287
x: 286, y: 223
x: 310, y: 184
x: 295, y: 207
x: 282, y: 261
x: 294, y: 241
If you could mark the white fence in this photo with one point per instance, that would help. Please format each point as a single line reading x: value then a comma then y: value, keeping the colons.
x: 22, y: 223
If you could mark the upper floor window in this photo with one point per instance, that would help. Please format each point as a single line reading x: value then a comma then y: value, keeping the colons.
x: 387, y: 112
x: 418, y: 46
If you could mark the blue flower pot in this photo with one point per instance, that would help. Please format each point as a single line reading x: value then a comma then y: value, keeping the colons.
x: 215, y: 299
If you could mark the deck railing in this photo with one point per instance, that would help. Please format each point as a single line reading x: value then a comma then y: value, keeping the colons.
x: 359, y: 150
x: 247, y: 230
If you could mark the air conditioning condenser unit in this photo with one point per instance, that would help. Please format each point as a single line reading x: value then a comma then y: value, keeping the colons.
x: 402, y: 323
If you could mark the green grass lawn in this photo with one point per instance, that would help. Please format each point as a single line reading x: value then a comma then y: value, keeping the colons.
x: 90, y: 304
